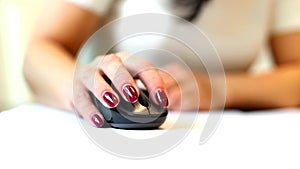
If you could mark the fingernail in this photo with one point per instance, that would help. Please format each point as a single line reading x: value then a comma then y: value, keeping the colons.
x: 98, y: 122
x: 161, y: 98
x: 110, y: 99
x: 130, y: 93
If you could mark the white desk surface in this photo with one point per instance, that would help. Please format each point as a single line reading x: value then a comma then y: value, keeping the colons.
x: 34, y: 136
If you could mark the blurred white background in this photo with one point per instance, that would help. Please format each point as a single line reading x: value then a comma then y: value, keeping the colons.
x: 17, y: 19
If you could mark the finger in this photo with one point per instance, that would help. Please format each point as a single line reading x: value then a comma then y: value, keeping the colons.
x: 168, y: 80
x: 94, y: 82
x: 113, y: 67
x: 150, y: 77
x: 184, y: 97
x: 104, y: 92
x: 175, y: 98
x: 155, y: 85
x: 84, y: 106
x: 175, y: 74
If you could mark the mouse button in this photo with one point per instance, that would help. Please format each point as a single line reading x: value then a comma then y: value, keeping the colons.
x: 137, y: 109
x: 140, y: 109
x: 155, y: 112
x: 156, y: 109
x: 124, y: 106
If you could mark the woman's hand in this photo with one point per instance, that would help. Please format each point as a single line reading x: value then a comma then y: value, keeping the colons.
x: 186, y: 90
x: 121, y: 69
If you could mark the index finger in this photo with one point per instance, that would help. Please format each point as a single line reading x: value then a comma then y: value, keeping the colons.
x: 149, y: 75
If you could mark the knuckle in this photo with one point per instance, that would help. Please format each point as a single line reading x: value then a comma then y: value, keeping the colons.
x: 155, y: 79
x: 123, y: 55
x: 109, y: 59
x: 147, y: 68
x: 149, y: 65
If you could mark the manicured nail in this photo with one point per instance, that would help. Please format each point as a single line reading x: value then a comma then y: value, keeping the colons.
x: 110, y: 99
x: 161, y: 98
x: 98, y: 122
x: 130, y: 93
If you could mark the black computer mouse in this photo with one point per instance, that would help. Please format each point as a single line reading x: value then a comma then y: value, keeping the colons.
x: 143, y: 114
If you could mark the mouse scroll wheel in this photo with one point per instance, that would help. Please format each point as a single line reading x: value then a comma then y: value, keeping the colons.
x: 143, y: 100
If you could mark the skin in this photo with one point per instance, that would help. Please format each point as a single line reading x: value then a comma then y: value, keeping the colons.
x: 50, y: 64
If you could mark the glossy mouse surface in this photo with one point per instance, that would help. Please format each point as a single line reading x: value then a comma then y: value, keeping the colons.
x: 143, y: 114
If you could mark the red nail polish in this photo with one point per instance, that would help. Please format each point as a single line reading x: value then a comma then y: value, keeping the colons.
x: 130, y: 93
x: 161, y: 98
x: 110, y: 99
x: 98, y: 122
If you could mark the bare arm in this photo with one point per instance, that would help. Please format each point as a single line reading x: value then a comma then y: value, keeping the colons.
x: 278, y: 88
x: 50, y: 60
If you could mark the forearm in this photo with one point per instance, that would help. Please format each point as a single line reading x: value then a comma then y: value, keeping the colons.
x: 49, y: 70
x: 279, y: 88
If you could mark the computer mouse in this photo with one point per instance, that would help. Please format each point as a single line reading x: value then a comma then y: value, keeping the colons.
x: 143, y: 114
